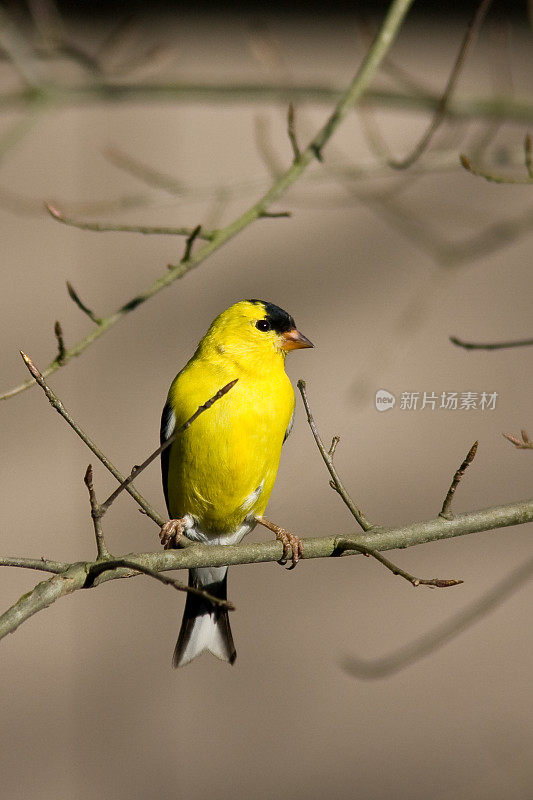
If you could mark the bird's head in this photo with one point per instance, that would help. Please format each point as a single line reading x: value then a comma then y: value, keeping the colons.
x: 253, y: 329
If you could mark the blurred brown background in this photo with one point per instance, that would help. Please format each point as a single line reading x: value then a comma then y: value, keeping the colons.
x: 91, y: 707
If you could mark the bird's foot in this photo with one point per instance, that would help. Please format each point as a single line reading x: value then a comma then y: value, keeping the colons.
x: 291, y: 543
x: 171, y: 531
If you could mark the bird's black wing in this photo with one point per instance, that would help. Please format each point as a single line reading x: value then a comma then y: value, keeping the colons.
x: 168, y: 423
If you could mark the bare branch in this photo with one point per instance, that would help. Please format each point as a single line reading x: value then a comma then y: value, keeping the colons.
x: 353, y: 94
x: 42, y: 596
x: 91, y: 574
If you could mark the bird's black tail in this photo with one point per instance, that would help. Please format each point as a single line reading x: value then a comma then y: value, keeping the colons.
x: 204, y: 626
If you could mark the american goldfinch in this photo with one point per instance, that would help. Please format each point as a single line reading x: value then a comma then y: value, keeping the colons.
x: 218, y: 474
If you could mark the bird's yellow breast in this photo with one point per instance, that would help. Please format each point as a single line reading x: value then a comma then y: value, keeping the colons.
x: 223, y: 467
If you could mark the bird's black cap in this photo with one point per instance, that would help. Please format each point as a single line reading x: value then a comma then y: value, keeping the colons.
x: 278, y: 318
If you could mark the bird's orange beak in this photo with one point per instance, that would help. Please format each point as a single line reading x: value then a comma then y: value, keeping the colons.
x: 294, y: 340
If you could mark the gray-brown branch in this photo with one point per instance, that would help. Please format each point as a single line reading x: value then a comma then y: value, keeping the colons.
x: 90, y: 574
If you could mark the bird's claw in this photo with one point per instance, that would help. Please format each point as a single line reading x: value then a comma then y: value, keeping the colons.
x: 292, y: 543
x: 170, y: 533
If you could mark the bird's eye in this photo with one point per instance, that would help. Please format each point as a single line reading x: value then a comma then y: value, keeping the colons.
x: 263, y: 325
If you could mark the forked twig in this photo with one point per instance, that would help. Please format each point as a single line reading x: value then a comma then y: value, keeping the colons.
x: 327, y: 456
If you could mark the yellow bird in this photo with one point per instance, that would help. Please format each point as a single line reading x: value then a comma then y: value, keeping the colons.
x: 218, y: 474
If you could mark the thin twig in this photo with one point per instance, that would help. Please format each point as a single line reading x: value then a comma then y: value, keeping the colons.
x: 274, y: 214
x: 267, y: 152
x: 491, y: 345
x: 60, y: 408
x: 440, y: 112
x: 439, y: 583
x: 328, y: 461
x: 522, y: 444
x: 146, y: 174
x: 445, y: 511
x: 58, y: 331
x: 104, y: 227
x: 292, y: 134
x: 327, y: 456
x: 193, y: 235
x: 19, y: 52
x: 76, y: 298
x: 44, y: 564
x: 126, y: 563
x: 96, y: 514
x: 138, y: 469
x: 359, y: 84
x: 333, y: 446
x: 491, y: 176
x: 527, y: 155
